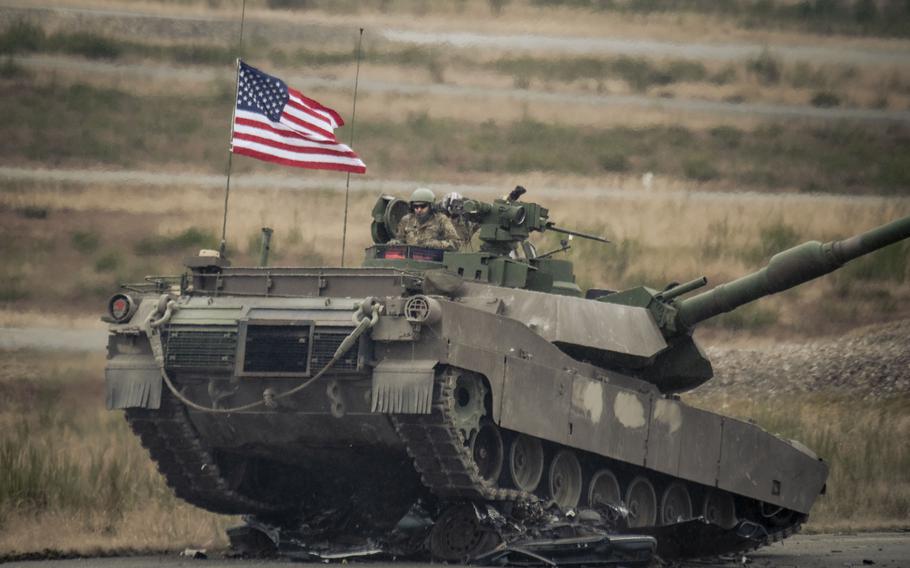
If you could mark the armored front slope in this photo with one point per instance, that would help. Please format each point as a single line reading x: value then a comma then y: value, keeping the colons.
x: 337, y: 398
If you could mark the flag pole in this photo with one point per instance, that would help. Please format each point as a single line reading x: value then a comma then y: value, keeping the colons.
x: 347, y: 187
x: 227, y: 189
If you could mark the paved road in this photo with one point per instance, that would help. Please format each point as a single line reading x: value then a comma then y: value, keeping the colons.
x: 890, y: 550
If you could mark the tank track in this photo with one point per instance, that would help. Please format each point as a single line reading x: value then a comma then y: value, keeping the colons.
x: 188, y: 467
x: 447, y: 468
x: 437, y: 447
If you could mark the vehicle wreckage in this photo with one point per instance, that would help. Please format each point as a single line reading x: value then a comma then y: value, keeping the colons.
x: 473, y: 406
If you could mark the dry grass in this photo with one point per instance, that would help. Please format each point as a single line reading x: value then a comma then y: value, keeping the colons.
x: 518, y: 16
x: 864, y: 443
x: 667, y: 234
x: 849, y: 157
x: 72, y: 475
x: 885, y: 85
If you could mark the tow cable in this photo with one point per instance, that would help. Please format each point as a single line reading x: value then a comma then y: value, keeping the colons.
x: 166, y: 308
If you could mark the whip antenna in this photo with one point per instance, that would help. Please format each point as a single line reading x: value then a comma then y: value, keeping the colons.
x: 227, y: 189
x: 347, y: 185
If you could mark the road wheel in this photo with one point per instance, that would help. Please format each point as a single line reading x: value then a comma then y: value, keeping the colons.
x: 641, y: 501
x: 604, y: 489
x: 526, y: 462
x: 486, y: 447
x: 720, y: 509
x: 675, y: 504
x: 565, y: 479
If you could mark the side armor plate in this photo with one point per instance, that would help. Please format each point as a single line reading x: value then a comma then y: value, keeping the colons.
x: 133, y: 381
x: 403, y: 387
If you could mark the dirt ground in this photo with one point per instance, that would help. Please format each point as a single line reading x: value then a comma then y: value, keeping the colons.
x: 890, y: 550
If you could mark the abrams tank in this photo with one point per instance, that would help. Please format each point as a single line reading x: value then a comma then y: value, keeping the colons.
x: 474, y: 386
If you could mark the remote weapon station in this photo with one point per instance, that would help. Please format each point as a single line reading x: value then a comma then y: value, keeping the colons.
x: 337, y: 398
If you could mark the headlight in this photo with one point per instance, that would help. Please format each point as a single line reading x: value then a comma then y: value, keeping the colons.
x: 121, y: 307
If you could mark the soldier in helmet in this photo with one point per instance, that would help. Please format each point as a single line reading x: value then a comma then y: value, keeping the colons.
x: 425, y: 227
x: 452, y: 204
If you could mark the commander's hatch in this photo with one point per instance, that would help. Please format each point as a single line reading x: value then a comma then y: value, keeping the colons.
x: 387, y: 214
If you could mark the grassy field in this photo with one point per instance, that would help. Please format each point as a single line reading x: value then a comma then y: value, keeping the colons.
x: 74, y: 125
x: 765, y: 77
x: 883, y: 18
x: 74, y: 478
x: 868, y: 484
x: 101, y: 235
x: 72, y: 475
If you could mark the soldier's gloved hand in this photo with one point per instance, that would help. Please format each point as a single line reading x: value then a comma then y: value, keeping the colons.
x: 394, y: 242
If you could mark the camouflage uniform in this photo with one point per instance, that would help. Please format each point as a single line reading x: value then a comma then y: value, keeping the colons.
x: 436, y: 232
x: 465, y: 229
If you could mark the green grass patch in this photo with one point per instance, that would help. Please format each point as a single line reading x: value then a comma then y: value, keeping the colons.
x: 25, y: 37
x: 80, y: 124
x: 108, y: 262
x: 765, y: 67
x: 614, y: 162
x: 20, y: 36
x: 641, y: 74
x: 700, y: 169
x: 33, y: 212
x: 183, y: 242
x: 891, y: 263
x: 12, y: 287
x: 86, y: 242
x: 9, y: 69
x: 772, y: 238
x: 852, y: 17
x: 47, y: 123
x: 864, y: 441
x: 825, y: 99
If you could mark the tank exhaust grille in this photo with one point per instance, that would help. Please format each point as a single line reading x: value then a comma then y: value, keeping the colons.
x: 277, y: 349
x: 267, y: 349
x: 195, y: 347
x: 325, y: 341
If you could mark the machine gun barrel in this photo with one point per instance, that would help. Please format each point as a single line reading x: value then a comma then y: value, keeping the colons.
x: 788, y: 269
x: 682, y: 289
x: 553, y: 227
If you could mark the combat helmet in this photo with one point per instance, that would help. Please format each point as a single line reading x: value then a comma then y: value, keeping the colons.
x: 422, y: 195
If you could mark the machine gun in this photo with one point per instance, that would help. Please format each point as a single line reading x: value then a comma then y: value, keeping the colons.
x: 504, y: 223
x: 501, y: 225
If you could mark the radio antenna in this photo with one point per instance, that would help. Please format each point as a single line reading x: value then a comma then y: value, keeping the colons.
x: 227, y: 189
x: 347, y: 186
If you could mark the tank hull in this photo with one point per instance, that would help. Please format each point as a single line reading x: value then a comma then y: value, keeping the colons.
x: 390, y: 412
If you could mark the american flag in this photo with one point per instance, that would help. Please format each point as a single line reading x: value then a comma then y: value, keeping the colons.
x: 276, y: 123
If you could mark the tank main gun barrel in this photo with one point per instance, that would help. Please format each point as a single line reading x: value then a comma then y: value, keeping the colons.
x: 788, y: 269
